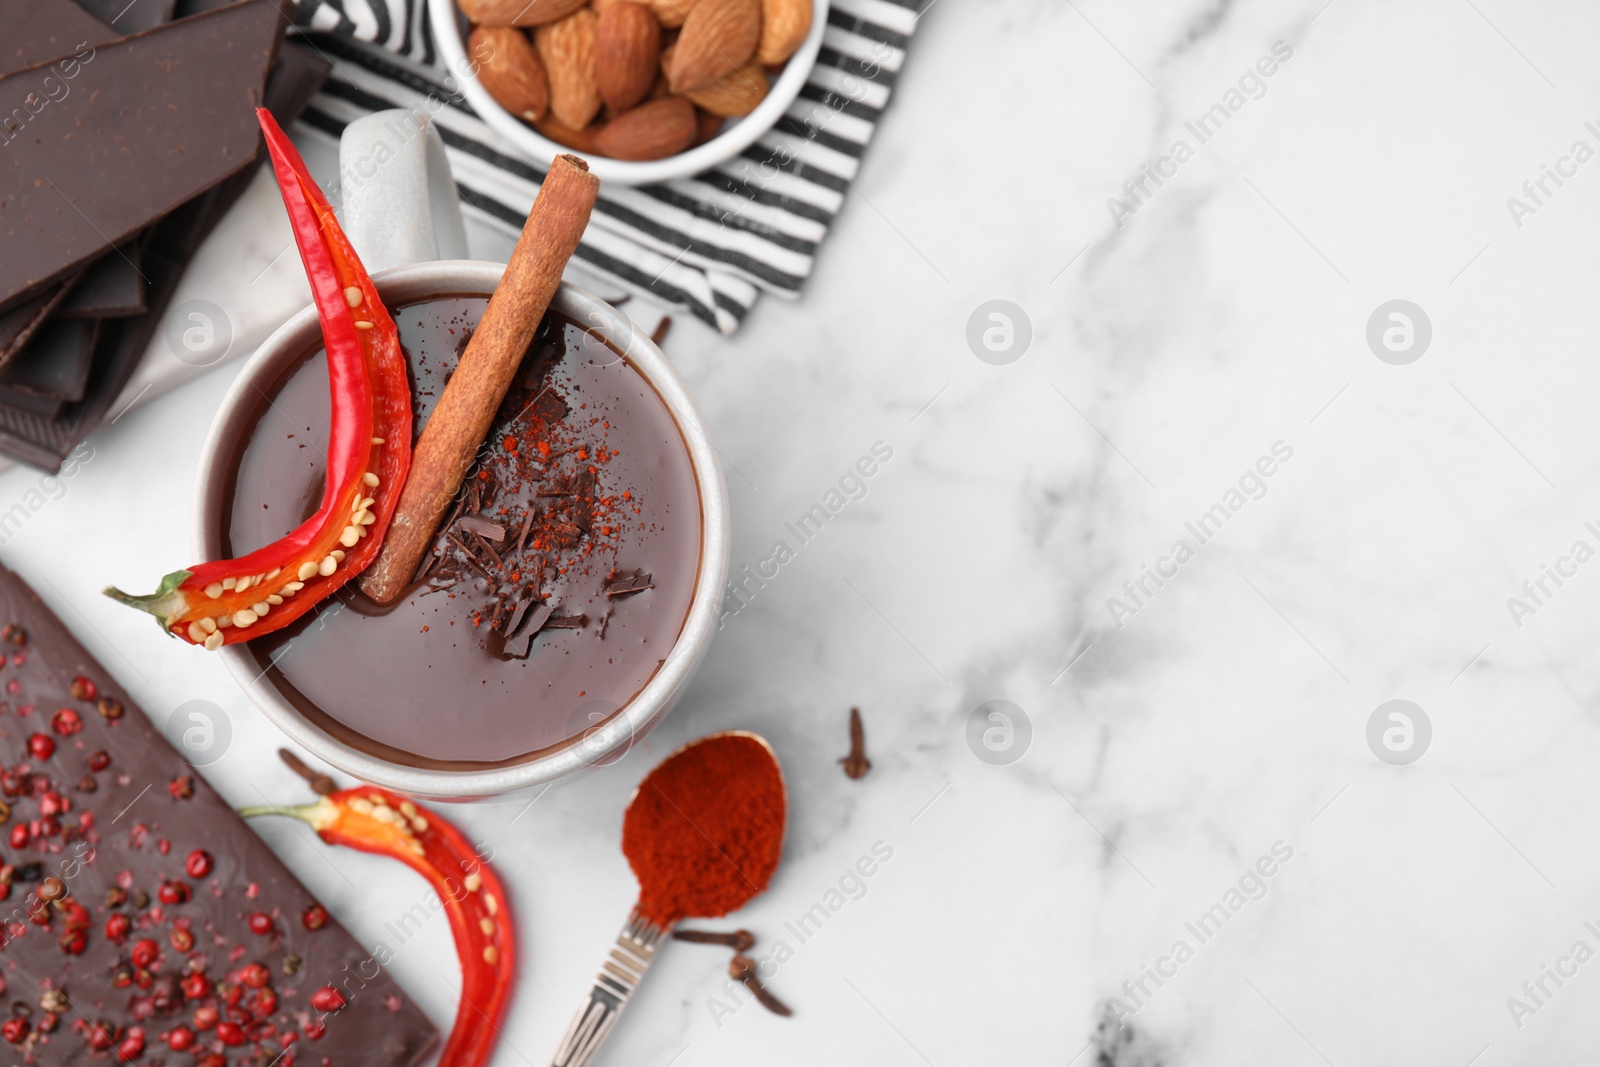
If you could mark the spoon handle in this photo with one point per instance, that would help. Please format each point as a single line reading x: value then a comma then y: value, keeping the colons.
x: 619, y: 976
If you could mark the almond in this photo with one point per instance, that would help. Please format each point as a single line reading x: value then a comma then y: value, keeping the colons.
x: 671, y: 12
x: 784, y: 25
x: 626, y: 46
x: 707, y: 126
x: 737, y: 94
x: 510, y: 70
x: 517, y: 12
x: 567, y: 48
x: 655, y: 130
x: 718, y: 38
x: 566, y: 136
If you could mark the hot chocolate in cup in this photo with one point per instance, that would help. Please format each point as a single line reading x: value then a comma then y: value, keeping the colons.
x: 596, y: 510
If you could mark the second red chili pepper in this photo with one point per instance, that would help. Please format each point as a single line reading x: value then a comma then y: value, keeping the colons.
x: 375, y: 820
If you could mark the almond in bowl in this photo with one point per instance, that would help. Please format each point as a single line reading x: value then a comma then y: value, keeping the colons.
x: 637, y: 81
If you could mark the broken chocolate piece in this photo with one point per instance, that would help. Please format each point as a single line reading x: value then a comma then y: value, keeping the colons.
x: 488, y: 550
x: 520, y: 644
x: 90, y: 863
x: 45, y: 440
x: 130, y: 16
x: 98, y: 164
x: 470, y: 556
x: 566, y: 622
x: 487, y: 529
x: 636, y: 584
x: 45, y: 407
x: 522, y: 535
x: 43, y: 31
x: 55, y: 363
x: 19, y: 325
x: 513, y: 621
x: 110, y: 288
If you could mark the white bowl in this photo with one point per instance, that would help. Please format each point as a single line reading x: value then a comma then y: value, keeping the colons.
x: 735, y: 137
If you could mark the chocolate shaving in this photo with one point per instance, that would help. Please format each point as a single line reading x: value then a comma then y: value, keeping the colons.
x: 566, y: 622
x: 488, y: 549
x: 637, y: 584
x: 662, y: 328
x: 427, y: 565
x: 518, y: 613
x: 471, y: 557
x: 519, y: 645
x: 527, y: 524
x: 497, y: 615
x: 565, y: 534
x: 485, y: 528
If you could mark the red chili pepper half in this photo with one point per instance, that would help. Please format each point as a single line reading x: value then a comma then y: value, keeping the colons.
x: 369, y: 447
x: 376, y: 820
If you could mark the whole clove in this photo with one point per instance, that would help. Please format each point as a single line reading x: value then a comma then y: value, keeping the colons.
x: 321, y: 784
x: 743, y: 969
x: 738, y: 940
x: 856, y: 764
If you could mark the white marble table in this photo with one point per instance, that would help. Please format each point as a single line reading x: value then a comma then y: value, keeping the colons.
x: 1183, y: 735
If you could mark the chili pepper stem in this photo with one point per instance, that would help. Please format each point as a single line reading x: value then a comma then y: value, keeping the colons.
x: 320, y: 814
x: 165, y: 602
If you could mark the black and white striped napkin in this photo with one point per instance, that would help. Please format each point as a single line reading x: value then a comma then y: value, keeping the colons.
x: 710, y: 244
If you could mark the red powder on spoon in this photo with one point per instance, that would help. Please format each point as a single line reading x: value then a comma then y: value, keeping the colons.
x: 704, y: 831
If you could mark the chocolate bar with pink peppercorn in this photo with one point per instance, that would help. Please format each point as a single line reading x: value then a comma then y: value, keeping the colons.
x: 141, y: 920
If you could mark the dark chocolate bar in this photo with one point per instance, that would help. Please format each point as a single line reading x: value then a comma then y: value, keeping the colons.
x: 141, y: 126
x: 19, y: 324
x: 56, y: 361
x: 136, y: 900
x: 39, y: 31
x: 44, y: 407
x: 44, y: 440
x: 130, y: 16
x: 110, y: 288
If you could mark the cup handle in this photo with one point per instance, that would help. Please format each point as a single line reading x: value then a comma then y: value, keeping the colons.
x: 400, y: 203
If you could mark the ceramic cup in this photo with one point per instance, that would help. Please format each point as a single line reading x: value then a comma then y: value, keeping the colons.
x: 402, y: 214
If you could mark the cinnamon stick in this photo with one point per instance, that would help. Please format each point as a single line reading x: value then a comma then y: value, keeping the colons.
x: 467, y: 407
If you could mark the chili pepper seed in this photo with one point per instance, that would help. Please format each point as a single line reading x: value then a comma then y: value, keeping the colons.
x: 352, y: 296
x: 370, y: 479
x: 243, y: 617
x: 214, y: 590
x: 362, y: 324
x: 327, y: 566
